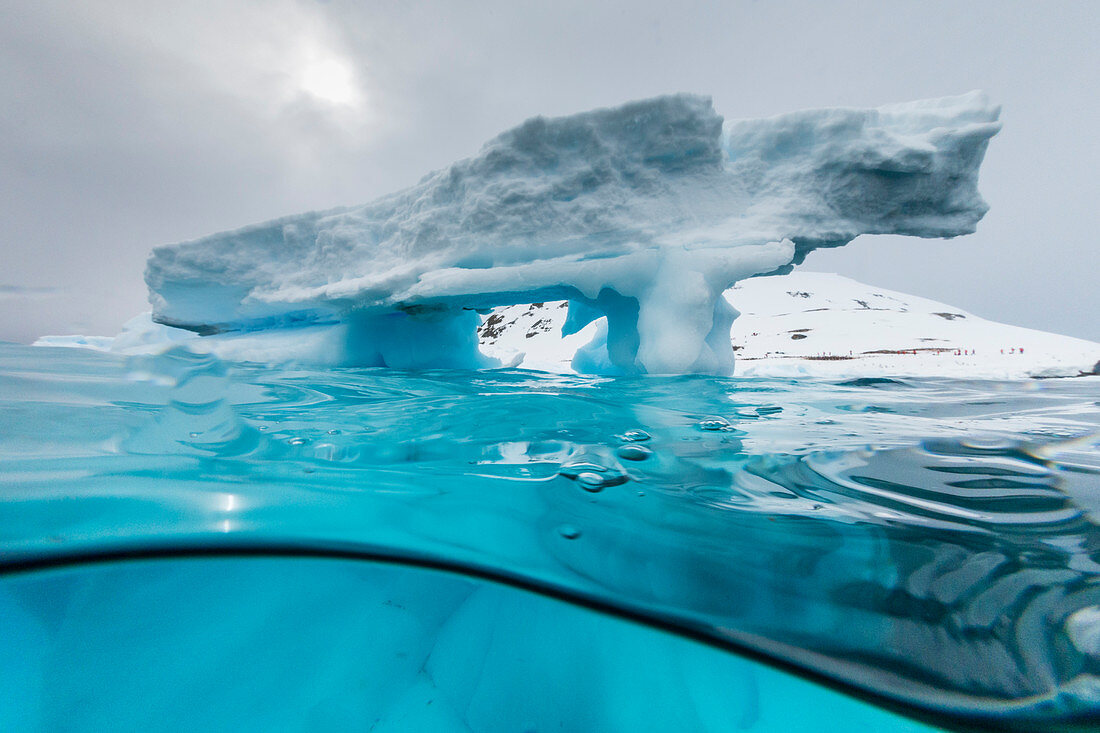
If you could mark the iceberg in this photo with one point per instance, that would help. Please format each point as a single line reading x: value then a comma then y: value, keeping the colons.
x: 643, y: 214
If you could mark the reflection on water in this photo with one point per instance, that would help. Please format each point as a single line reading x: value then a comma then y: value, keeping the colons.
x: 931, y: 542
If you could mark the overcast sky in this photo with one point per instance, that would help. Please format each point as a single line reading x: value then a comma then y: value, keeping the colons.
x: 125, y: 124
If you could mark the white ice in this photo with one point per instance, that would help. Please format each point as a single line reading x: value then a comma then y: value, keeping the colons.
x: 644, y: 214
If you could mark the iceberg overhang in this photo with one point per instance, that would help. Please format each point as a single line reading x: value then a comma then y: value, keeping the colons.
x: 644, y: 213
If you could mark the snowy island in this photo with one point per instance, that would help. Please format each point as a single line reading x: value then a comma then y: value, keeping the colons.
x: 822, y: 325
x: 640, y: 216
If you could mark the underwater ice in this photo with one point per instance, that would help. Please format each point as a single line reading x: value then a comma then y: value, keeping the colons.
x: 644, y: 213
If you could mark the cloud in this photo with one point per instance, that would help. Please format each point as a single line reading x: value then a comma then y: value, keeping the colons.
x: 268, y: 55
x: 12, y: 292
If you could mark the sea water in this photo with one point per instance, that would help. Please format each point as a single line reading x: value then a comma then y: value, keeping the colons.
x: 190, y: 544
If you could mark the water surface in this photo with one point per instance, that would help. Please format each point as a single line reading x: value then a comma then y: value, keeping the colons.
x: 747, y: 550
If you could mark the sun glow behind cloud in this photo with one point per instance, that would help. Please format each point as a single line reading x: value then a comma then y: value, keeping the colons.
x: 271, y: 58
x: 330, y: 80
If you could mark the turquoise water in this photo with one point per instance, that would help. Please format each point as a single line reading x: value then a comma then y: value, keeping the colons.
x: 190, y: 544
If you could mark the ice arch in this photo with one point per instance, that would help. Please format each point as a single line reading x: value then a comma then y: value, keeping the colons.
x: 644, y: 213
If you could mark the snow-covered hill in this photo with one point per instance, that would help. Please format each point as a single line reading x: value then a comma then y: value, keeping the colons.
x: 818, y: 324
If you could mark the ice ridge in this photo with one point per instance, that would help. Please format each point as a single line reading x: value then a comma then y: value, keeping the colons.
x: 644, y: 213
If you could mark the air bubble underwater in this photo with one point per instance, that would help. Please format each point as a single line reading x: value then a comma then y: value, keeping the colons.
x: 593, y: 473
x: 569, y: 532
x: 590, y: 481
x: 633, y: 452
